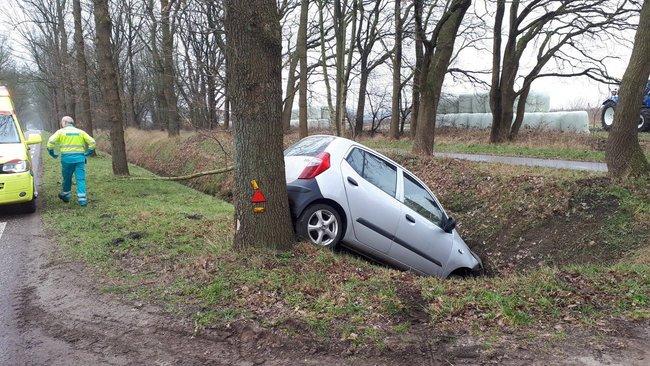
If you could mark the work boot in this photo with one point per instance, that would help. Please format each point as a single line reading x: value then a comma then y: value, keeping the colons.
x: 83, y: 201
x: 65, y: 197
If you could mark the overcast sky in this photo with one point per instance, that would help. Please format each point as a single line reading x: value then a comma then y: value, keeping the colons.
x: 564, y: 92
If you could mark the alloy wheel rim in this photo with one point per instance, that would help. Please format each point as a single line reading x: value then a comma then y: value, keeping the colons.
x: 322, y: 227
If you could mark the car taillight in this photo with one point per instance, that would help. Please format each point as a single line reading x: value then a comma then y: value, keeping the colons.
x: 316, y: 165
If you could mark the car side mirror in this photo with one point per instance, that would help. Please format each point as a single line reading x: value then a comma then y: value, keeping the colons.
x: 448, y: 225
x: 34, y: 139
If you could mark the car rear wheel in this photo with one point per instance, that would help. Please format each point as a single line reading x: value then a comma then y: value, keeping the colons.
x: 321, y: 225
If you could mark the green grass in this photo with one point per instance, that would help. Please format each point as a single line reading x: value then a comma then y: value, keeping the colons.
x: 497, y: 149
x: 139, y: 238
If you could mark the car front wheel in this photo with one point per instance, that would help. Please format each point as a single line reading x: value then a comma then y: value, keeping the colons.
x: 321, y: 224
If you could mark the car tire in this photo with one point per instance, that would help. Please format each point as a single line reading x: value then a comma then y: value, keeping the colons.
x: 607, y: 115
x: 644, y: 124
x: 321, y: 225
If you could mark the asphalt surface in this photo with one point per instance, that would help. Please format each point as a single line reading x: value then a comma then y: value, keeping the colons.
x: 18, y: 233
x: 535, y: 162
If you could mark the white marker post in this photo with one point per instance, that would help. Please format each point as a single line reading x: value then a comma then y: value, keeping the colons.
x: 3, y: 225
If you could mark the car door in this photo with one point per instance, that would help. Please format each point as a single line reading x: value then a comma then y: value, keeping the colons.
x: 371, y: 189
x: 419, y: 241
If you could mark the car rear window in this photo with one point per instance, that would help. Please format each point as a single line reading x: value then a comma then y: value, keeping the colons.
x: 8, y: 131
x: 310, y: 146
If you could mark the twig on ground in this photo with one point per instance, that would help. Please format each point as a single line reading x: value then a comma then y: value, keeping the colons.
x: 186, y: 177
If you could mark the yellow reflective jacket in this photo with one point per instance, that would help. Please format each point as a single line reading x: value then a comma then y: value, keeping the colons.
x: 71, y: 140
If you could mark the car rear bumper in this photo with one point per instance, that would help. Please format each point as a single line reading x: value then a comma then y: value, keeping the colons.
x: 16, y: 188
x: 302, y: 192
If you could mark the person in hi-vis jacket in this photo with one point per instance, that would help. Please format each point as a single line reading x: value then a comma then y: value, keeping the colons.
x: 73, y: 145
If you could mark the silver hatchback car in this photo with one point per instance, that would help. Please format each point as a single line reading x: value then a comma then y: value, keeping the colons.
x: 342, y: 192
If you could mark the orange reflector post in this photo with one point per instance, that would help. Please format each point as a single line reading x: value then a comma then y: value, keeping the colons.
x: 258, y: 210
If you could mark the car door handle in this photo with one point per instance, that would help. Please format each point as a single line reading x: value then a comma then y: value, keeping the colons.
x: 410, y: 218
x: 353, y: 182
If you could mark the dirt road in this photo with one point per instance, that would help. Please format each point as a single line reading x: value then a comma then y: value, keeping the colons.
x: 53, y: 313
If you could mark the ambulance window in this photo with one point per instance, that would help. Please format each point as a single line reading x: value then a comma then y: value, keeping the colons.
x: 8, y: 131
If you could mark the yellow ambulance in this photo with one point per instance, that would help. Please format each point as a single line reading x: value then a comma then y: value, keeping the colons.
x: 16, y: 175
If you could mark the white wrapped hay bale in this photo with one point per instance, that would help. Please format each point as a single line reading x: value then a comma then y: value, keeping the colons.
x: 479, y: 120
x: 465, y: 103
x: 537, y: 103
x: 577, y: 121
x: 448, y: 104
x: 458, y: 120
x: 574, y: 121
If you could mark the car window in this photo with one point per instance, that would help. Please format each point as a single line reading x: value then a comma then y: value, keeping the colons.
x: 8, y: 131
x: 310, y: 146
x: 418, y: 199
x: 374, y: 169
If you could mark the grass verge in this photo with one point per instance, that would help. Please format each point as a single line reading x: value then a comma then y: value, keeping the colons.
x: 169, y: 244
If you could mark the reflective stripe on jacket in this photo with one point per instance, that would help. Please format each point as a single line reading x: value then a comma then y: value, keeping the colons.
x: 71, y: 140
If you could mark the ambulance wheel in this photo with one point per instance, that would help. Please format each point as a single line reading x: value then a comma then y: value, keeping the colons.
x: 30, y: 207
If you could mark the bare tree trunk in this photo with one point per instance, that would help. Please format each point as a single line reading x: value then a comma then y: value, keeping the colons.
x: 393, y: 132
x: 226, y: 113
x: 521, y: 110
x: 340, y: 29
x: 361, y: 102
x: 254, y: 53
x: 624, y: 155
x: 83, y: 94
x: 435, y: 65
x: 287, y: 111
x: 108, y: 81
x: 169, y: 90
x: 302, y: 53
x: 69, y: 92
x: 495, y: 88
x: 417, y: 72
x: 326, y: 79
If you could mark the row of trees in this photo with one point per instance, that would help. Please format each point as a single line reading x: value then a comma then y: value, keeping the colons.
x: 172, y: 72
x: 169, y: 64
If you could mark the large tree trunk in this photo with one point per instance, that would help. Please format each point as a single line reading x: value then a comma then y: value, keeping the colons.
x: 83, y: 93
x: 624, y: 155
x: 417, y: 72
x: 397, y: 74
x: 495, y: 88
x: 254, y: 52
x: 110, y: 91
x: 169, y: 90
x: 302, y: 53
x: 434, y: 69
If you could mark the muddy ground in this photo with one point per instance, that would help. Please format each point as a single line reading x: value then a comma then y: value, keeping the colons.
x: 63, y: 319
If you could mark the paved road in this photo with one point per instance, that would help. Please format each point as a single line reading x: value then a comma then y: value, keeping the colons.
x: 537, y: 162
x: 17, y: 233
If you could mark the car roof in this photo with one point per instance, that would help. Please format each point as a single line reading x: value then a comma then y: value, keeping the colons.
x: 347, y: 143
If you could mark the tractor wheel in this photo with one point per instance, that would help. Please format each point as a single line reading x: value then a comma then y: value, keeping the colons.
x: 607, y: 115
x: 644, y: 122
